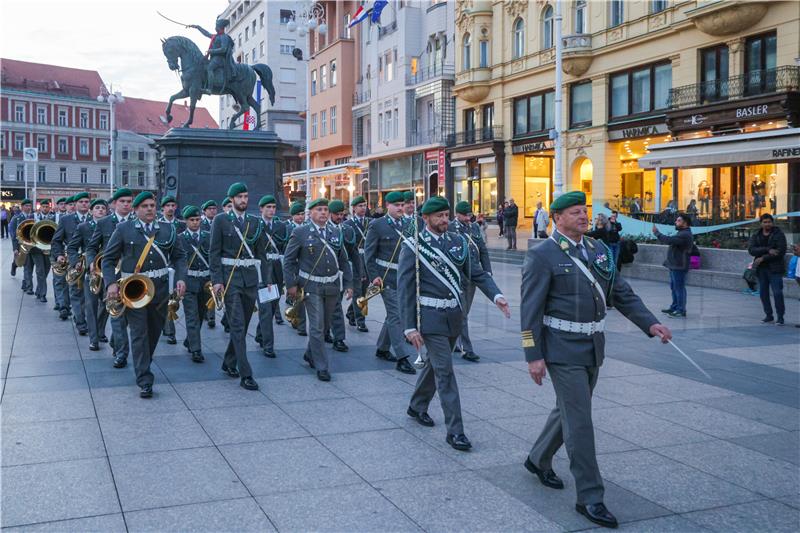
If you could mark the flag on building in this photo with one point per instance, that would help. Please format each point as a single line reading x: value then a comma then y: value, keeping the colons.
x: 373, y: 13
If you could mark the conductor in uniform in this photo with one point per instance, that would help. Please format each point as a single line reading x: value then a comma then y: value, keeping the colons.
x: 147, y: 247
x: 567, y: 281
x: 195, y: 242
x: 316, y: 262
x: 432, y: 314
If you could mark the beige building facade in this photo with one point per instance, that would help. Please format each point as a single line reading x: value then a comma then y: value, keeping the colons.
x: 638, y: 75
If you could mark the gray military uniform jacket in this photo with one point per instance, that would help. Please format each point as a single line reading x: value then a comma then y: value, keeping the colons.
x: 477, y: 246
x: 180, y: 225
x: 225, y: 243
x: 360, y: 229
x: 383, y: 243
x: 102, y: 235
x: 277, y: 233
x: 79, y: 241
x: 459, y: 263
x: 307, y: 256
x: 196, y: 261
x: 553, y: 285
x: 128, y: 242
x: 67, y: 225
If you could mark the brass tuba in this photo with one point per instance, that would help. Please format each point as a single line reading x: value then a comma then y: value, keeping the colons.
x: 96, y: 277
x: 25, y: 241
x: 42, y: 234
x: 363, y: 301
x: 75, y: 274
x: 215, y: 300
x: 135, y: 292
x: 293, y: 311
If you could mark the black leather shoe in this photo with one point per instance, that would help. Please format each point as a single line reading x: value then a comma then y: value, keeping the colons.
x: 56, y: 307
x: 102, y: 338
x: 405, y: 367
x: 186, y: 343
x: 248, y: 384
x: 94, y: 347
x: 598, y: 514
x: 279, y: 321
x: 230, y: 372
x: 666, y: 311
x: 547, y: 477
x: 269, y: 353
x: 340, y: 346
x: 767, y: 320
x: 328, y: 339
x: 362, y: 328
x: 324, y: 375
x: 43, y: 299
x: 471, y: 356
x: 352, y: 322
x: 29, y: 292
x: 212, y: 324
x: 258, y: 338
x: 780, y: 321
x: 63, y: 315
x: 120, y: 362
x: 459, y: 442
x: 146, y: 391
x: 386, y: 355
x: 307, y: 358
x: 197, y: 357
x: 302, y: 333
x: 422, y: 418
x: 457, y: 349
x: 83, y: 332
x: 171, y: 339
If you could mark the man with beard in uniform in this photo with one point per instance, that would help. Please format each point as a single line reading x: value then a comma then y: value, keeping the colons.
x: 359, y: 224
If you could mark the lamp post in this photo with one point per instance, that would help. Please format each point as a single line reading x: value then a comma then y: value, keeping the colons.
x: 111, y: 99
x: 307, y: 17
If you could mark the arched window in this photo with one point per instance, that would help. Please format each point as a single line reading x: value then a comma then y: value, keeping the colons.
x: 580, y: 16
x: 466, y: 62
x: 547, y: 28
x: 519, y: 39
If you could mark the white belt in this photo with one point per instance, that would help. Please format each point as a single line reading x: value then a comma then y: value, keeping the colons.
x: 199, y: 273
x: 386, y: 264
x: 274, y: 257
x: 241, y: 262
x: 319, y: 279
x: 361, y: 251
x: 153, y: 274
x: 587, y: 328
x: 438, y: 303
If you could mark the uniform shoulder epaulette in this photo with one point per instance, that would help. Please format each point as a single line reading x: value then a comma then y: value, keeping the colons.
x: 457, y: 249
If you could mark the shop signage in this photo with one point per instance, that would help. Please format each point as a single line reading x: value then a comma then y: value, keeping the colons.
x: 786, y: 153
x: 751, y: 111
x: 733, y: 115
x: 7, y: 195
x: 441, y: 167
x: 431, y: 155
x: 636, y: 132
x: 532, y: 147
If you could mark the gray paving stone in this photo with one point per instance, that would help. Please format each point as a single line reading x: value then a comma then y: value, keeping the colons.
x: 757, y: 409
x: 495, y: 374
x: 708, y: 420
x: 370, y: 383
x: 344, y: 415
x: 282, y: 389
x: 747, y: 468
x: 668, y: 483
x: 47, y: 492
x: 61, y: 382
x: 377, y: 455
x: 784, y: 446
x: 337, y: 509
x: 678, y: 387
x: 46, y: 406
x: 644, y: 429
x: 286, y: 465
x: 152, y: 432
x: 791, y: 501
x: 163, y: 479
x: 461, y: 501
x: 110, y: 523
x: 228, y: 515
x: 234, y: 425
x: 664, y: 524
x: 614, y: 368
x: 43, y: 367
x: 123, y: 401
x: 491, y: 402
x: 765, y: 515
x: 46, y: 442
x: 395, y: 406
x: 218, y: 393
x: 623, y: 392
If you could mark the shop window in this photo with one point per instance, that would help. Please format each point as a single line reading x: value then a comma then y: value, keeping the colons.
x: 642, y: 90
x: 714, y: 74
x: 538, y: 183
x: 534, y: 113
x: 580, y: 104
x: 760, y: 63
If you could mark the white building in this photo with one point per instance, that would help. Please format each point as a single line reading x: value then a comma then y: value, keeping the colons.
x: 259, y: 33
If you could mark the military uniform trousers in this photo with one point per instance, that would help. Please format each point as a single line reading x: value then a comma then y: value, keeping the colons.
x: 27, y: 274
x: 96, y: 314
x: 391, y: 334
x: 469, y: 295
x: 266, y: 313
x: 320, y: 309
x: 194, y: 311
x: 438, y: 374
x: 239, y: 304
x: 570, y: 423
x: 353, y: 311
x: 119, y: 334
x: 169, y: 328
x: 334, y: 322
x: 77, y: 302
x: 145, y: 327
x: 42, y: 266
x: 61, y: 291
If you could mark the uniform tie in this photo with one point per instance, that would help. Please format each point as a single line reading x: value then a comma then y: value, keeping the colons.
x: 195, y: 238
x: 240, y: 218
x: 582, y: 250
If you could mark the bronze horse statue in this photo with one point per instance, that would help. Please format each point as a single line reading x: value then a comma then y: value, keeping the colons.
x: 185, y: 57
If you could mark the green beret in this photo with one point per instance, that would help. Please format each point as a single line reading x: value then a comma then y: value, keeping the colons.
x: 70, y: 200
x: 167, y: 199
x: 267, y: 199
x: 394, y: 197
x: 236, y: 188
x: 141, y: 197
x: 568, y: 199
x: 62, y: 200
x: 26, y: 201
x: 297, y: 207
x: 336, y: 206
x: 98, y: 201
x: 434, y: 204
x: 191, y: 211
x: 318, y: 202
x: 408, y: 196
x: 226, y: 201
x: 357, y: 200
x: 79, y: 196
x: 44, y: 201
x: 207, y: 204
x: 120, y: 193
x: 463, y: 208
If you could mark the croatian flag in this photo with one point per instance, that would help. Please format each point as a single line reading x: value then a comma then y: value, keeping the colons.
x: 363, y: 13
x: 250, y: 119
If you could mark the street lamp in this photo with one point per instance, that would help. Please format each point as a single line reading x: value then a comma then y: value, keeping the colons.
x: 308, y: 16
x: 111, y: 99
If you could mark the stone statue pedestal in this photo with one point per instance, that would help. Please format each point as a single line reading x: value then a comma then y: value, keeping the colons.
x: 199, y: 165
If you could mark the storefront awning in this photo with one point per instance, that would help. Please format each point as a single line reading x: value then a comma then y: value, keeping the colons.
x: 331, y: 170
x: 773, y: 146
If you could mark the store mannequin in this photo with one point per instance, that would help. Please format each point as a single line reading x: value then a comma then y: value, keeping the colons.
x: 772, y: 193
x: 759, y: 191
x: 704, y: 196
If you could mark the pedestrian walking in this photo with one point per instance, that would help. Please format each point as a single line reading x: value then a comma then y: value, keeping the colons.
x: 510, y: 216
x: 4, y: 219
x: 614, y: 235
x: 796, y: 272
x: 677, y: 261
x: 501, y: 210
x: 768, y: 246
x: 540, y: 221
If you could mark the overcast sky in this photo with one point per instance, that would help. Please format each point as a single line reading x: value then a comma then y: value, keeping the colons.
x: 118, y: 38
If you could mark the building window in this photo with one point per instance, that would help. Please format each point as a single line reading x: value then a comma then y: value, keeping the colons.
x: 657, y: 6
x: 519, y: 39
x: 141, y: 155
x: 103, y: 175
x: 323, y: 77
x: 286, y: 16
x: 396, y: 122
x: 534, y: 114
x: 333, y: 120
x: 487, y: 120
x: 19, y: 142
x: 616, y: 14
x: 261, y: 49
x: 287, y: 46
x: 483, y: 48
x: 247, y: 59
x: 41, y: 115
x: 125, y: 153
x: 466, y: 50
x: 346, y: 27
x: 288, y: 75
x: 313, y: 82
x: 84, y: 120
x: 2, y: 143
x: 323, y: 123
x: 20, y: 172
x: 760, y: 59
x: 580, y: 104
x: 380, y: 126
x: 714, y: 73
x: 254, y: 28
x: 104, y: 148
x: 62, y: 174
x: 387, y: 133
x: 314, y: 126
x: 641, y: 90
x: 333, y: 73
x: 41, y: 174
x: 246, y: 34
x: 125, y: 178
x: 63, y: 146
x: 84, y: 147
x: 84, y: 175
x: 140, y: 177
x: 103, y: 121
x: 19, y: 113
x: 239, y: 41
x: 62, y: 117
x: 41, y: 143
x: 547, y: 28
x: 388, y: 70
x: 261, y: 20
x: 580, y: 16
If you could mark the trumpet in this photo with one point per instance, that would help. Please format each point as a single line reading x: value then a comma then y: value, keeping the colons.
x: 293, y: 311
x: 25, y: 241
x: 173, y: 304
x: 215, y: 300
x: 75, y: 274
x: 60, y: 267
x: 135, y: 292
x: 42, y: 234
x: 363, y: 301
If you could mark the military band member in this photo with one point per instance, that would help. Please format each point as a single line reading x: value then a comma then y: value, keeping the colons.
x: 70, y: 205
x: 226, y: 208
x: 92, y: 306
x: 277, y: 235
x: 209, y: 209
x: 335, y: 332
x: 359, y: 224
x: 408, y: 206
x: 121, y: 199
x: 147, y: 247
x: 26, y: 213
x: 67, y: 225
x: 316, y: 261
x: 41, y: 261
x: 566, y: 283
x: 237, y: 243
x: 443, y: 261
x: 226, y: 205
x: 168, y: 208
x: 196, y: 242
x: 381, y: 253
x: 297, y: 218
x: 463, y: 225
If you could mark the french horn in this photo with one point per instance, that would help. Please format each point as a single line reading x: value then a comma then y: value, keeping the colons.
x: 96, y: 277
x: 61, y: 267
x: 75, y: 274
x: 293, y: 311
x: 173, y: 305
x: 215, y: 299
x: 363, y: 301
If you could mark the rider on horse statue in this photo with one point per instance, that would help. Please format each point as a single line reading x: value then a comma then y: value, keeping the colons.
x: 220, y: 69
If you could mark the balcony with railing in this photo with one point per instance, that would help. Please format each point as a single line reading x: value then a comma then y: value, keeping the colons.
x: 361, y: 96
x: 430, y: 72
x: 753, y: 83
x: 427, y: 137
x: 363, y: 149
x: 476, y: 136
x: 386, y: 30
